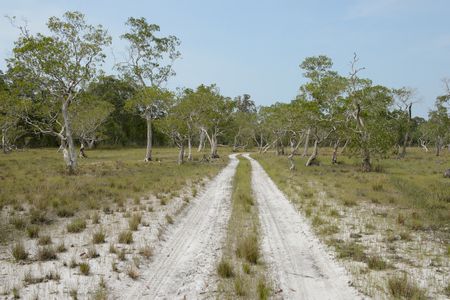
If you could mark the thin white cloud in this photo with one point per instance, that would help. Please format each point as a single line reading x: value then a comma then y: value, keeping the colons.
x: 372, y: 8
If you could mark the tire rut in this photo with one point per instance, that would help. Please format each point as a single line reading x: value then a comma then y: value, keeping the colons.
x: 300, y: 266
x: 183, y: 267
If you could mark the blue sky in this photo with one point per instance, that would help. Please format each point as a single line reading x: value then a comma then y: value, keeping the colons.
x: 255, y: 47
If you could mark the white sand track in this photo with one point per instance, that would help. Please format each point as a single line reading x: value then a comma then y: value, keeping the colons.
x: 300, y: 266
x: 184, y: 266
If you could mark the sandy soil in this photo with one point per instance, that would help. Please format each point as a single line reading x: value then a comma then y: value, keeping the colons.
x: 301, y: 267
x: 184, y: 253
x: 184, y: 267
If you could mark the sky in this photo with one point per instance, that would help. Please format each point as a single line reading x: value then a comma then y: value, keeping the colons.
x: 255, y: 47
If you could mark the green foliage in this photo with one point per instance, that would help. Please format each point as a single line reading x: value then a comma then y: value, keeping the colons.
x: 151, y: 57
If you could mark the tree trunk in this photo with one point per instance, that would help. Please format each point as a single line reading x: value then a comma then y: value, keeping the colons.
x: 91, y: 144
x: 335, y: 150
x: 305, y: 148
x: 189, y: 148
x: 344, y: 147
x: 181, y: 154
x: 71, y: 159
x: 438, y: 146
x: 201, y: 144
x: 236, y: 139
x: 148, y: 154
x: 313, y: 158
x: 214, y: 147
x: 4, y: 140
x: 405, y: 142
x: 366, y: 165
x: 291, y: 156
x: 82, y: 153
x: 261, y: 145
x: 423, y: 144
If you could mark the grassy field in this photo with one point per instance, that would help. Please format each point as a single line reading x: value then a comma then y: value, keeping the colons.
x: 35, y: 189
x: 393, y: 223
x: 241, y: 268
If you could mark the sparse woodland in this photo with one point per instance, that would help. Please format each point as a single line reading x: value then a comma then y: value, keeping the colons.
x: 55, y: 93
x: 81, y: 144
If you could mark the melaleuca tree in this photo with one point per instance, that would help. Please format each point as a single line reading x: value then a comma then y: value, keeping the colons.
x: 322, y: 97
x: 88, y: 115
x: 243, y: 121
x: 149, y: 65
x: 214, y: 114
x: 52, y: 70
x: 404, y: 100
x: 10, y: 116
x: 150, y: 103
x: 439, y: 119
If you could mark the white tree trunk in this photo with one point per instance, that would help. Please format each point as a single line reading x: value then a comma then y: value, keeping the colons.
x: 91, y: 144
x: 423, y: 145
x: 201, y: 144
x: 214, y: 147
x: 71, y: 160
x: 82, y: 153
x: 189, y: 148
x: 181, y: 154
x: 313, y: 157
x: 305, y: 148
x: 4, y: 140
x: 335, y: 150
x: 148, y: 154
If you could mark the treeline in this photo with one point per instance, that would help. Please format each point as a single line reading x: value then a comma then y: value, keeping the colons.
x: 54, y: 93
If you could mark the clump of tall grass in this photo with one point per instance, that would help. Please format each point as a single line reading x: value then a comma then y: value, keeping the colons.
x: 77, y: 225
x: 401, y: 287
x: 225, y: 269
x: 126, y: 237
x: 248, y: 248
x: 18, y: 252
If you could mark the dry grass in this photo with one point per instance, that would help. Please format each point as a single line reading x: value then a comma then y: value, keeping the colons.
x: 77, y: 225
x: 135, y: 221
x: 44, y: 240
x: 85, y: 269
x: 146, y: 251
x: 241, y: 269
x: 125, y: 237
x: 18, y: 252
x: 248, y: 248
x: 133, y: 272
x: 99, y: 237
x: 401, y: 212
x: 225, y: 269
x: 46, y: 253
x: 106, y: 179
x: 402, y: 287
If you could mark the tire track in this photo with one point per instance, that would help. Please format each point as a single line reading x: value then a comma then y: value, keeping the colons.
x: 184, y: 265
x: 300, y: 266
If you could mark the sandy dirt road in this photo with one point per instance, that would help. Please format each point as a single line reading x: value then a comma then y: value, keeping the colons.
x: 300, y: 266
x: 185, y: 264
